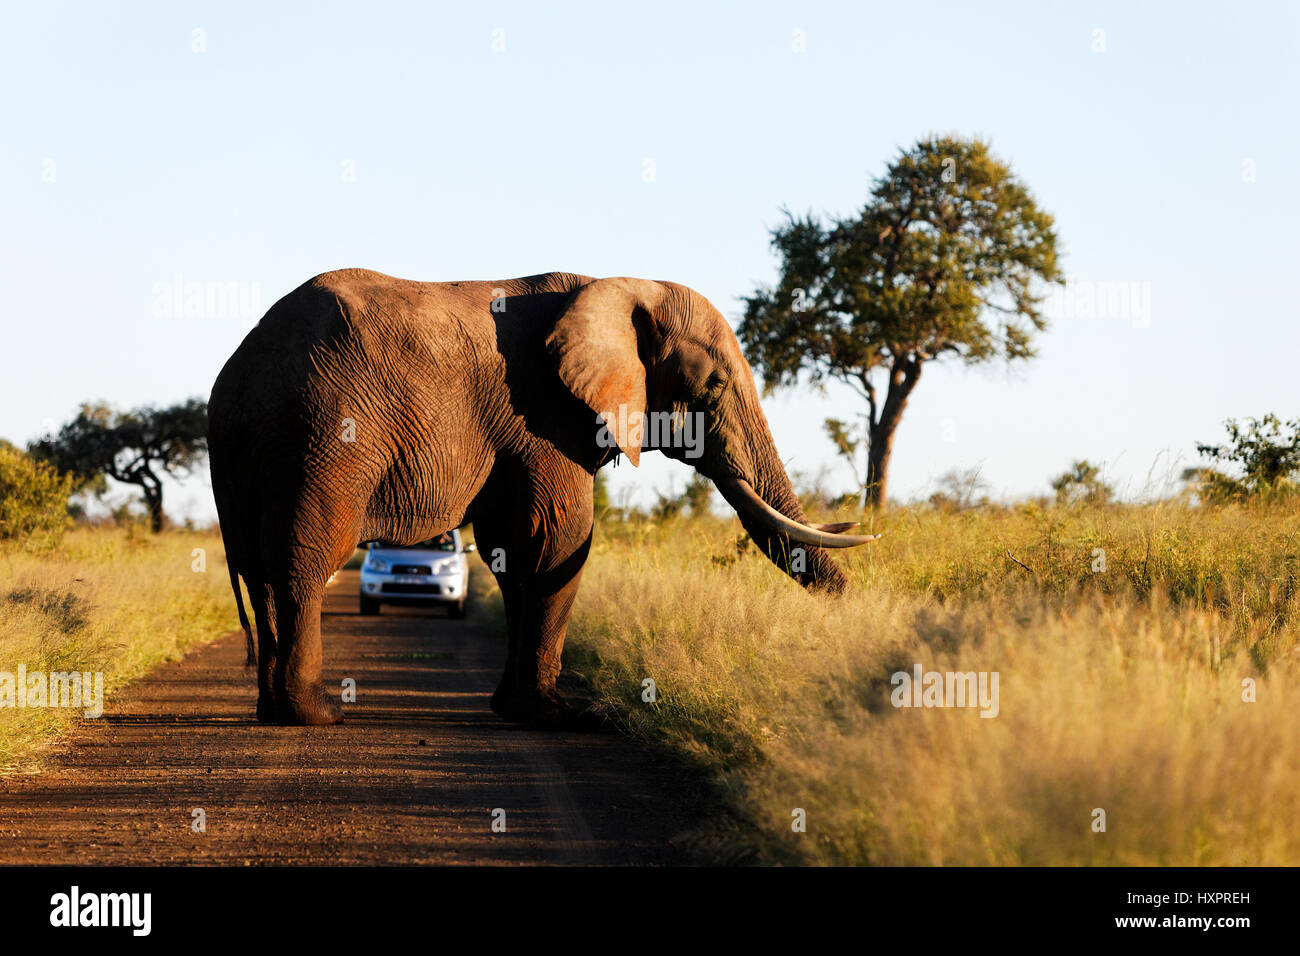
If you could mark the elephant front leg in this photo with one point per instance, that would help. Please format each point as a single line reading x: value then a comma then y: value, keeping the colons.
x: 528, y: 692
x: 495, y: 542
x: 504, y: 696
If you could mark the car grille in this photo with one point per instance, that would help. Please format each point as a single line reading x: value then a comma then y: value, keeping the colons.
x: 392, y: 588
x: 411, y: 569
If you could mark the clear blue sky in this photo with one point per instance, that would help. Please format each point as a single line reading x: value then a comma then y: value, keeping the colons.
x: 395, y: 137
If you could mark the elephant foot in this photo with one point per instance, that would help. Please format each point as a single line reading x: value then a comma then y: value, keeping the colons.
x: 310, y: 708
x: 266, y: 709
x: 548, y: 712
x: 266, y: 712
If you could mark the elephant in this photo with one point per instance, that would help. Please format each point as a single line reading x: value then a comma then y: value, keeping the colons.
x: 366, y: 407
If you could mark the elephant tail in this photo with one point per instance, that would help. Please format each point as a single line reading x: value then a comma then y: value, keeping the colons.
x: 227, y: 515
x: 243, y: 616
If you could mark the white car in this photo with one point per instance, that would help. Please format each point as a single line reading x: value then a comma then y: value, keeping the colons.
x: 431, y: 573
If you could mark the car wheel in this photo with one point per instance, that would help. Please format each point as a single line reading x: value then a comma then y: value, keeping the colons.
x: 369, y: 606
x: 457, y: 609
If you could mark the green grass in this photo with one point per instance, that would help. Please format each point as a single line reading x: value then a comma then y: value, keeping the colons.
x: 1121, y: 689
x: 116, y: 601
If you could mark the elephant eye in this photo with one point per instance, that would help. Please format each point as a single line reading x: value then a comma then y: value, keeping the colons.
x: 716, y: 383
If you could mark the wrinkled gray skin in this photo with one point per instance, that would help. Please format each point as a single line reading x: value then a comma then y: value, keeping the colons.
x: 461, y: 412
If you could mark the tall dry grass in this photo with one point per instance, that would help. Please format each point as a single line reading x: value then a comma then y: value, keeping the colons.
x: 1121, y: 689
x: 119, y: 601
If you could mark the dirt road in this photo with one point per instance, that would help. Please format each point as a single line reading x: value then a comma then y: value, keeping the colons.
x: 412, y: 776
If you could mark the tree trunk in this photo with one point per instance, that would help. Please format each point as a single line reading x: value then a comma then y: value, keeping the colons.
x: 881, y: 447
x: 902, y: 379
x: 153, y: 500
x: 155, y: 513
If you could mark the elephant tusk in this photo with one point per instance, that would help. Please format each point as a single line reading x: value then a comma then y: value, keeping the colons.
x: 835, y: 527
x: 738, y: 492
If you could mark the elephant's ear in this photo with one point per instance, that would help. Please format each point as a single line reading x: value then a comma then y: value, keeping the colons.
x: 595, y: 348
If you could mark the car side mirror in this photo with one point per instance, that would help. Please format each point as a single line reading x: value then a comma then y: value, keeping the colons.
x: 471, y: 548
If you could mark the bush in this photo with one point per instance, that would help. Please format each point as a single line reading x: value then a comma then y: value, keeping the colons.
x: 33, y: 497
x: 1266, y: 450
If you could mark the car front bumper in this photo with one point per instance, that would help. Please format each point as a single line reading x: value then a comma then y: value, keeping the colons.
x: 421, y: 588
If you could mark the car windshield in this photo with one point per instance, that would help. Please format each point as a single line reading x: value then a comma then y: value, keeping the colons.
x: 444, y: 542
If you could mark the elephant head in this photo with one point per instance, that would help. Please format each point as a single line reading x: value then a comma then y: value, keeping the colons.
x: 663, y: 369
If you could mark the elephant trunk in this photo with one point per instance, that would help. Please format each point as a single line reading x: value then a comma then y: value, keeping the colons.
x: 823, y: 536
x: 771, y: 514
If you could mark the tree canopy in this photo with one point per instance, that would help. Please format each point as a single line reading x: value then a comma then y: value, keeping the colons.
x: 949, y: 256
x: 1082, y: 484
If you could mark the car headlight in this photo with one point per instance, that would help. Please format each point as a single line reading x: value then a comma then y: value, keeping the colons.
x: 374, y: 564
x: 446, y: 567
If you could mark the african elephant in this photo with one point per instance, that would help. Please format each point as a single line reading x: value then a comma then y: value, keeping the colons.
x: 367, y: 407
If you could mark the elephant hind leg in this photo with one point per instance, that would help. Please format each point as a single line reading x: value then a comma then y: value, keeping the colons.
x: 263, y: 600
x: 300, y: 696
x: 304, y: 544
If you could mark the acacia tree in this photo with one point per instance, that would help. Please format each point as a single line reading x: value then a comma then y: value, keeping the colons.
x: 136, y: 447
x: 1082, y: 484
x: 949, y: 257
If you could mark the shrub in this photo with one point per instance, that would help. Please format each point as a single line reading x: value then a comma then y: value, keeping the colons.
x: 33, y: 497
x: 1266, y: 450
